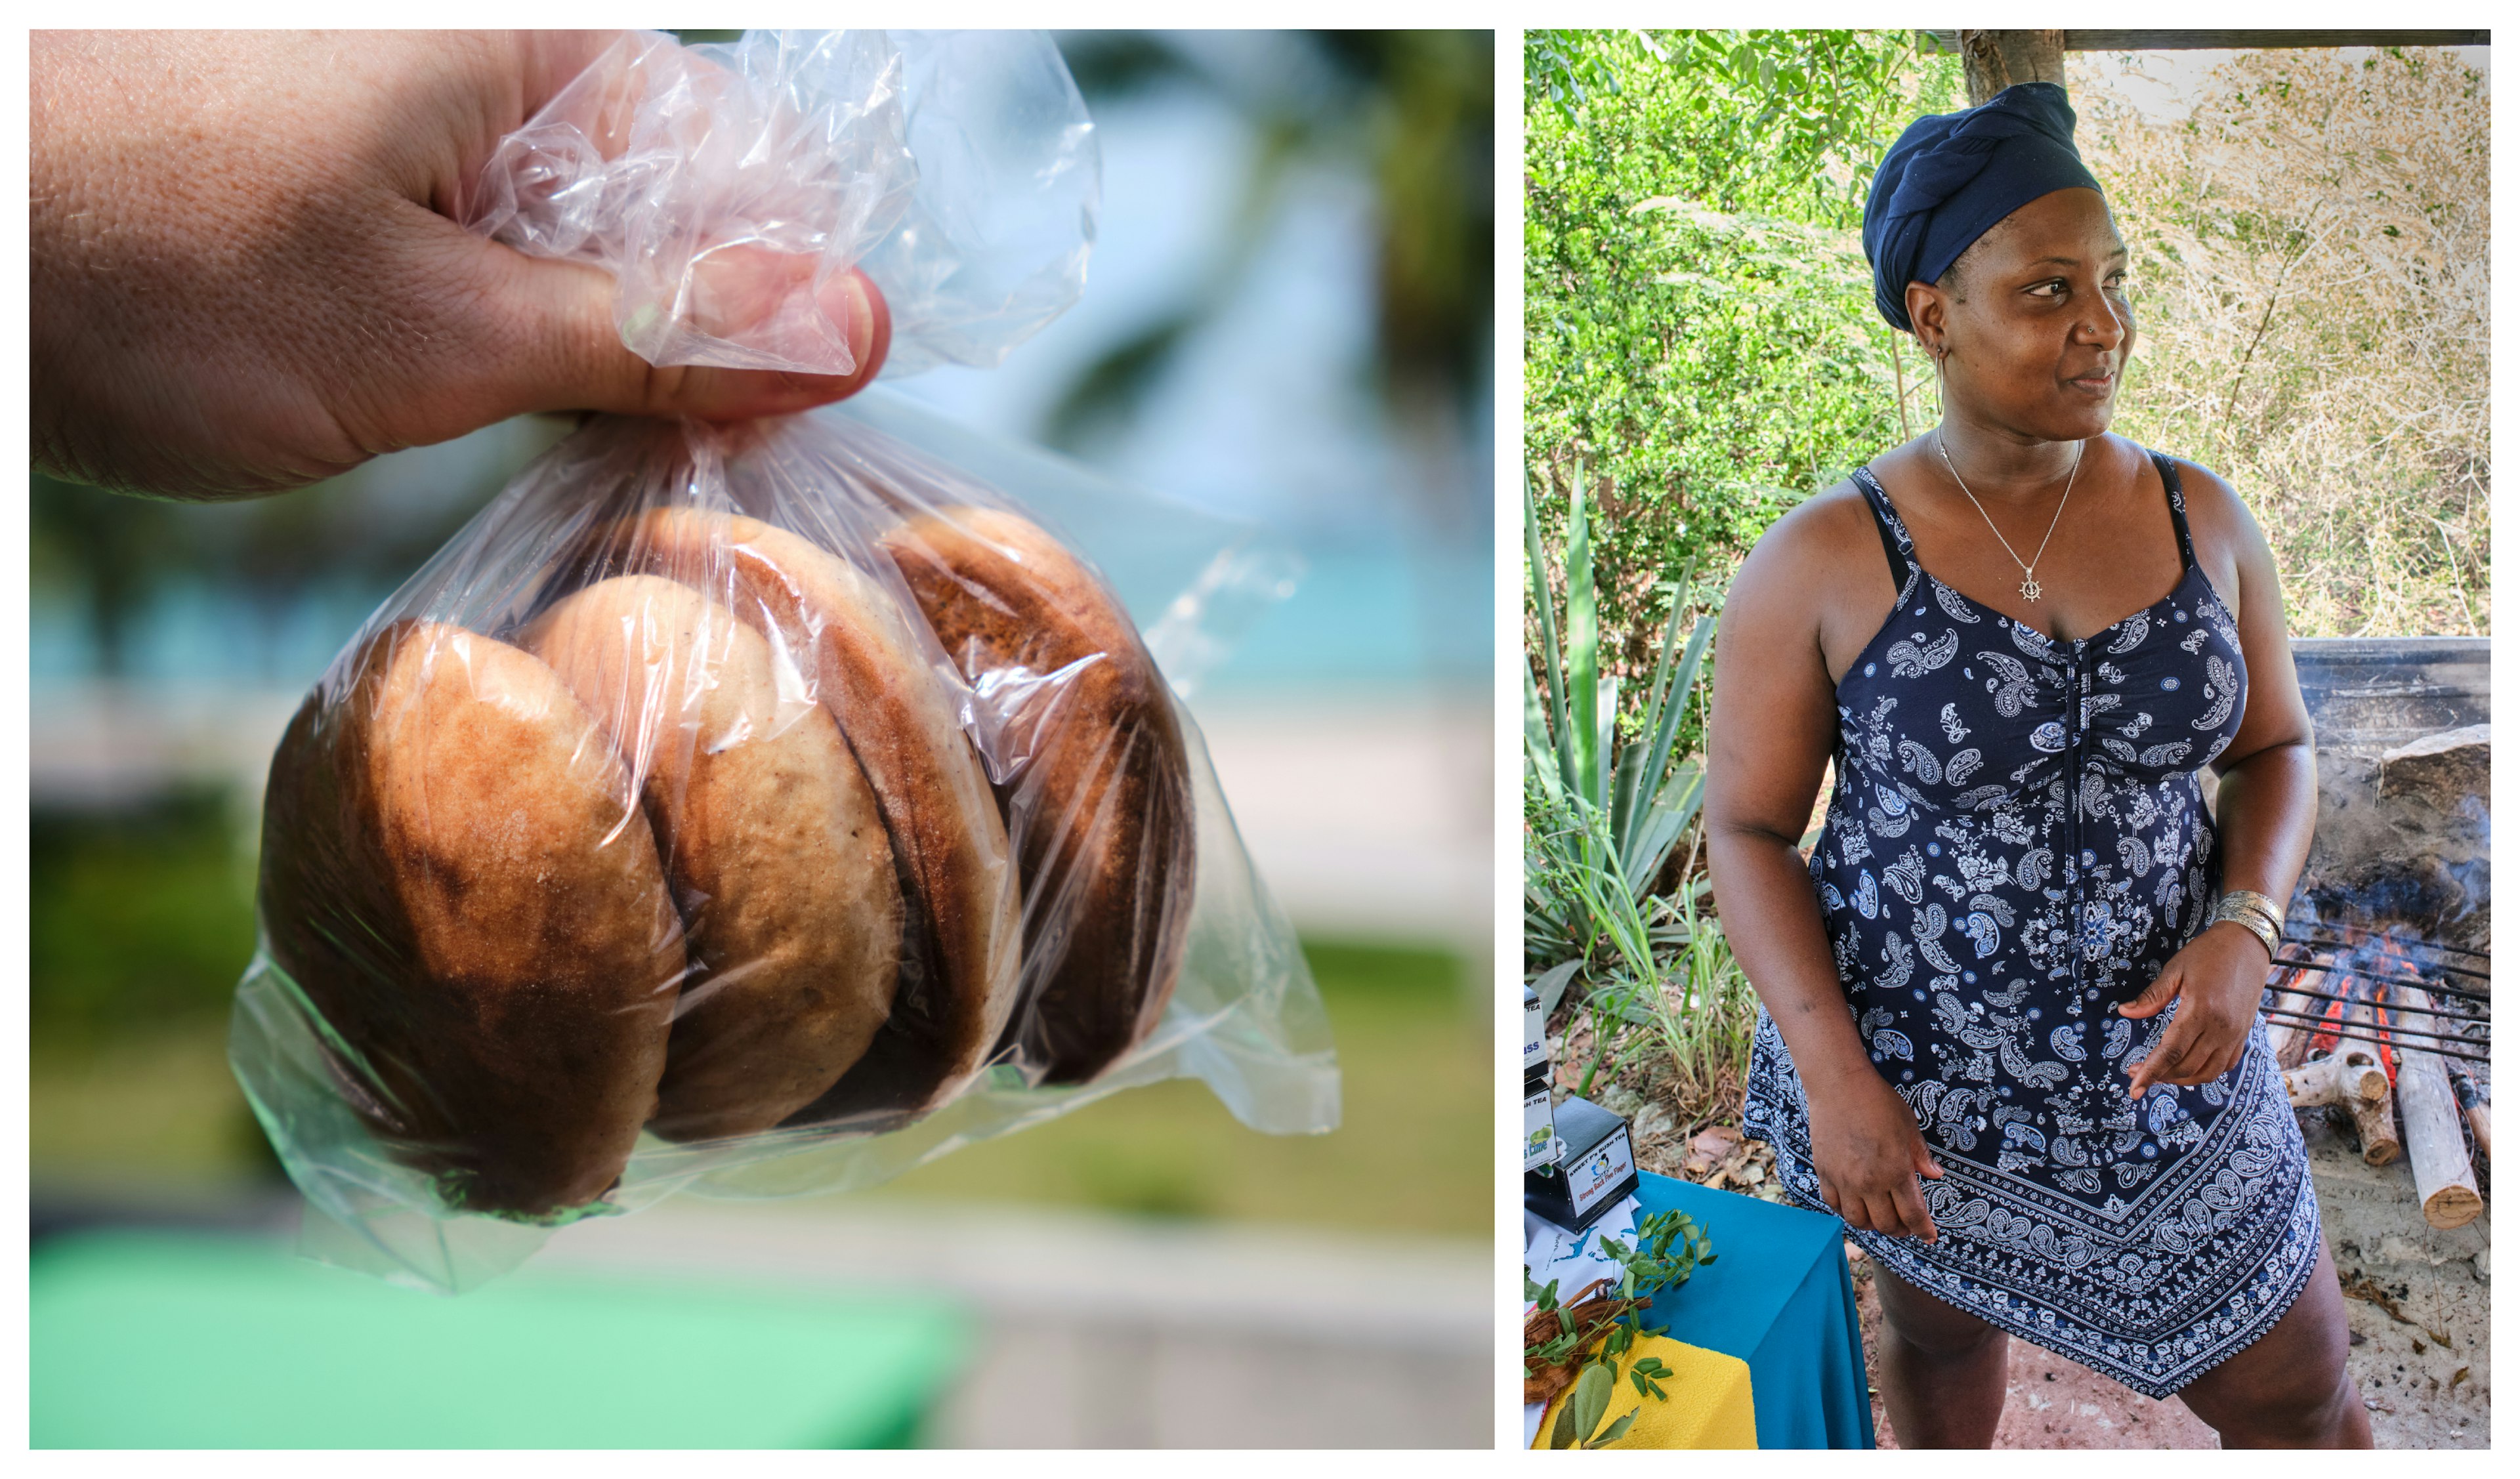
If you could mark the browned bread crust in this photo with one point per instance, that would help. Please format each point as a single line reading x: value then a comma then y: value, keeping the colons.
x: 1101, y: 812
x: 456, y: 874
x: 870, y: 667
x: 771, y: 840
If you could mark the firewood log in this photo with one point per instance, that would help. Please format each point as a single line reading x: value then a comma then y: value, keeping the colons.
x: 2350, y: 1076
x: 2375, y: 1120
x: 2444, y: 1177
x: 2290, y: 1039
x: 2479, y: 1110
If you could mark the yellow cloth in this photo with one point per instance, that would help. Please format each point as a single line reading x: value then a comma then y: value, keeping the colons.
x: 1709, y: 1406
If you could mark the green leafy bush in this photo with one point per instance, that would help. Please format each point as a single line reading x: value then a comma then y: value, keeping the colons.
x: 2311, y: 243
x: 1698, y: 324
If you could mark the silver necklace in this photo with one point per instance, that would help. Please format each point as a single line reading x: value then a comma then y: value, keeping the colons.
x: 2029, y: 582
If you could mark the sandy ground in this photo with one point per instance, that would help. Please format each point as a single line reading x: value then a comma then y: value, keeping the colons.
x: 2412, y: 1377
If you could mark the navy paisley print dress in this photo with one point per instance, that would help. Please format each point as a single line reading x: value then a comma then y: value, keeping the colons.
x: 2016, y: 843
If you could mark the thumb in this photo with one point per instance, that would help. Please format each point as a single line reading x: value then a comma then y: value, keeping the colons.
x: 2156, y: 995
x: 569, y: 355
x: 1927, y: 1166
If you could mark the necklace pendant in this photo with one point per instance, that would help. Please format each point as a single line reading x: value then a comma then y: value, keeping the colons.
x: 2029, y: 590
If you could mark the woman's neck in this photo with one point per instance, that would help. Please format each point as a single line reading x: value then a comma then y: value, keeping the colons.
x: 1997, y: 463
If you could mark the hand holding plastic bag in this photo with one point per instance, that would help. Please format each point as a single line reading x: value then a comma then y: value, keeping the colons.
x: 761, y: 808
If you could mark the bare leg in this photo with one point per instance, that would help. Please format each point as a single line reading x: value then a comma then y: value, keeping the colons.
x: 2290, y: 1388
x: 1942, y: 1369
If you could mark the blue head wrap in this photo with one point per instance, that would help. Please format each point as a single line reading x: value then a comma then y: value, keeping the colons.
x: 1951, y: 176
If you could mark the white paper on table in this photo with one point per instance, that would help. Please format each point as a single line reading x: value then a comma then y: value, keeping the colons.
x: 1574, y: 1260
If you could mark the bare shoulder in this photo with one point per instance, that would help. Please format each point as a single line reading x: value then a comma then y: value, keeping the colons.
x: 1818, y: 581
x: 2215, y: 513
x: 1815, y: 540
x: 2229, y: 545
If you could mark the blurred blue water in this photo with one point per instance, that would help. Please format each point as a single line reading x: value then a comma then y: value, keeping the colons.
x: 1357, y: 621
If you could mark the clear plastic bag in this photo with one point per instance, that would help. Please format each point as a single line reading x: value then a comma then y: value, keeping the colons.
x: 754, y: 809
x: 728, y: 187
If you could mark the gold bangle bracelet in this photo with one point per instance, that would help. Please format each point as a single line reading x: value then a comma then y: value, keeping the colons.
x: 2254, y: 913
x: 2257, y: 927
x: 2250, y: 898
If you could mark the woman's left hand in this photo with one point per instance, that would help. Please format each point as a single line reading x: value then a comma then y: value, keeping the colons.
x: 2217, y: 981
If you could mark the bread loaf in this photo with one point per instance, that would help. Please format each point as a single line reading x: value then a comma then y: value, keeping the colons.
x: 771, y: 842
x: 873, y: 670
x: 456, y: 872
x: 1100, y: 807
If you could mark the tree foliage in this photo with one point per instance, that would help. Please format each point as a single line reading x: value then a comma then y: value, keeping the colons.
x: 1698, y: 329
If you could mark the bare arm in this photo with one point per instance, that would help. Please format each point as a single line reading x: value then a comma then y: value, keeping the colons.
x: 1768, y: 737
x: 2265, y: 800
x: 1767, y: 741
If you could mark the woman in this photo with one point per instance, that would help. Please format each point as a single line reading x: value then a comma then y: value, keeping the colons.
x: 2009, y: 1007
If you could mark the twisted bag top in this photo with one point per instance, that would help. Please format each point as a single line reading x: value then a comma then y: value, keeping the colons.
x: 1951, y: 176
x: 727, y: 186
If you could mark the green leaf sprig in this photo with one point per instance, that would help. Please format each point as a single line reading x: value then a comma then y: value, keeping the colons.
x: 1606, y: 1322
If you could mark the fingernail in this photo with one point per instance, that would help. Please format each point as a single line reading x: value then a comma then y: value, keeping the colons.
x: 868, y: 324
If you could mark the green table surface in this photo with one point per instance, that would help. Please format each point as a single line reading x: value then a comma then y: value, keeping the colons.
x: 167, y: 1340
x: 1779, y: 1296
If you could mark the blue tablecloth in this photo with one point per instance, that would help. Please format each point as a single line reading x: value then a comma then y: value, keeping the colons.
x: 1779, y: 1297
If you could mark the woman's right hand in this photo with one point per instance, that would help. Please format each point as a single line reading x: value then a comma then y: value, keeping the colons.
x: 1868, y: 1152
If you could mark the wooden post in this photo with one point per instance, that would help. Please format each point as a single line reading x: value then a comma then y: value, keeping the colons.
x: 2444, y: 1177
x: 1995, y: 59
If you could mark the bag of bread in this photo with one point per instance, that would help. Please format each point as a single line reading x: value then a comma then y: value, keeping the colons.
x: 764, y: 808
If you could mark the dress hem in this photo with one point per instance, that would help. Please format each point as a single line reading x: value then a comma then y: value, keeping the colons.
x: 1866, y: 1237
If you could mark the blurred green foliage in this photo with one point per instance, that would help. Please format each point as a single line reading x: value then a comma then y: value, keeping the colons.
x: 138, y: 918
x: 111, y: 554
x: 1414, y: 1151
x: 1699, y: 333
x: 141, y: 921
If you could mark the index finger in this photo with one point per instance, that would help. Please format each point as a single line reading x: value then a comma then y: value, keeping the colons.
x: 2173, y: 1042
x: 1911, y: 1205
